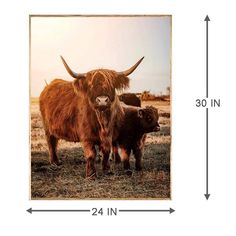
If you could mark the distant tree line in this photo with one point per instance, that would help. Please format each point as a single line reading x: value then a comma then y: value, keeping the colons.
x: 148, y: 96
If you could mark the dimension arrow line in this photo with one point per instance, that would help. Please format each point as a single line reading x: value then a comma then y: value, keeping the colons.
x: 207, y: 195
x: 30, y: 210
x: 207, y: 19
x: 146, y: 210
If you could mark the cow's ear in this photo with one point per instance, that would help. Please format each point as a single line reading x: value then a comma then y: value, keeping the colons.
x: 140, y: 113
x: 121, y: 82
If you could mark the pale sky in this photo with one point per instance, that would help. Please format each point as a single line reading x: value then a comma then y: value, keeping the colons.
x: 89, y: 43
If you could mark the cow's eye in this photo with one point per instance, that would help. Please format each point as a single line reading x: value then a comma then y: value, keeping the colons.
x: 149, y: 118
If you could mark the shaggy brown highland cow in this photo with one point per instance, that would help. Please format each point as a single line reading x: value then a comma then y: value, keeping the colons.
x: 86, y: 110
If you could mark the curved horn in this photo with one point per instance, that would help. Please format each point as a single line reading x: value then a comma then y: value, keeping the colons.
x: 130, y: 70
x: 71, y: 72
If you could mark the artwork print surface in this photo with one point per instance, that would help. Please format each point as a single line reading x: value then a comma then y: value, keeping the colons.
x: 100, y: 106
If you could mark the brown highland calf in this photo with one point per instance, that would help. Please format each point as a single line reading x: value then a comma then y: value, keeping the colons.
x: 132, y: 134
x: 86, y: 110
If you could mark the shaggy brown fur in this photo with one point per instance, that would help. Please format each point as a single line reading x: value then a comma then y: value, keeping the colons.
x: 132, y: 133
x: 130, y: 99
x: 68, y: 113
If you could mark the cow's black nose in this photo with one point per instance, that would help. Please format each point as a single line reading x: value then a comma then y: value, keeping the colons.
x: 156, y: 129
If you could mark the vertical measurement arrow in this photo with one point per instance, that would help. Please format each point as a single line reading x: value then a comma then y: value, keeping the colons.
x: 207, y: 19
x: 207, y: 195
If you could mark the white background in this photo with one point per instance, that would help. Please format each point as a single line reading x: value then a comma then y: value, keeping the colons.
x: 194, y: 215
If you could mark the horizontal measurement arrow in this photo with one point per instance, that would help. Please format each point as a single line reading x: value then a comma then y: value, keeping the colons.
x: 170, y: 210
x: 30, y: 210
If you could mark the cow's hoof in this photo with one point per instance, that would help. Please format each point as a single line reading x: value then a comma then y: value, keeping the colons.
x: 108, y: 172
x: 138, y: 168
x: 59, y: 163
x: 56, y: 163
x: 128, y: 172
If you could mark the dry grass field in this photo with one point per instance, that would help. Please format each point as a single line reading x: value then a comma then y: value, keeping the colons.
x: 68, y: 180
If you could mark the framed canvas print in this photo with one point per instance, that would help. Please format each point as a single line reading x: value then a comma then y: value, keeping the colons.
x: 100, y: 105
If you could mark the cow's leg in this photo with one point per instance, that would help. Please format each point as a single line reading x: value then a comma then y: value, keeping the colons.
x: 52, y: 145
x: 105, y: 161
x: 90, y: 155
x: 116, y: 155
x: 125, y: 153
x: 106, y: 146
x: 98, y: 157
x: 138, y: 153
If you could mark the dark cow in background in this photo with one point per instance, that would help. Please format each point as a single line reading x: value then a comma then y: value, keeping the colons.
x: 130, y: 99
x: 86, y: 110
x: 132, y: 134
